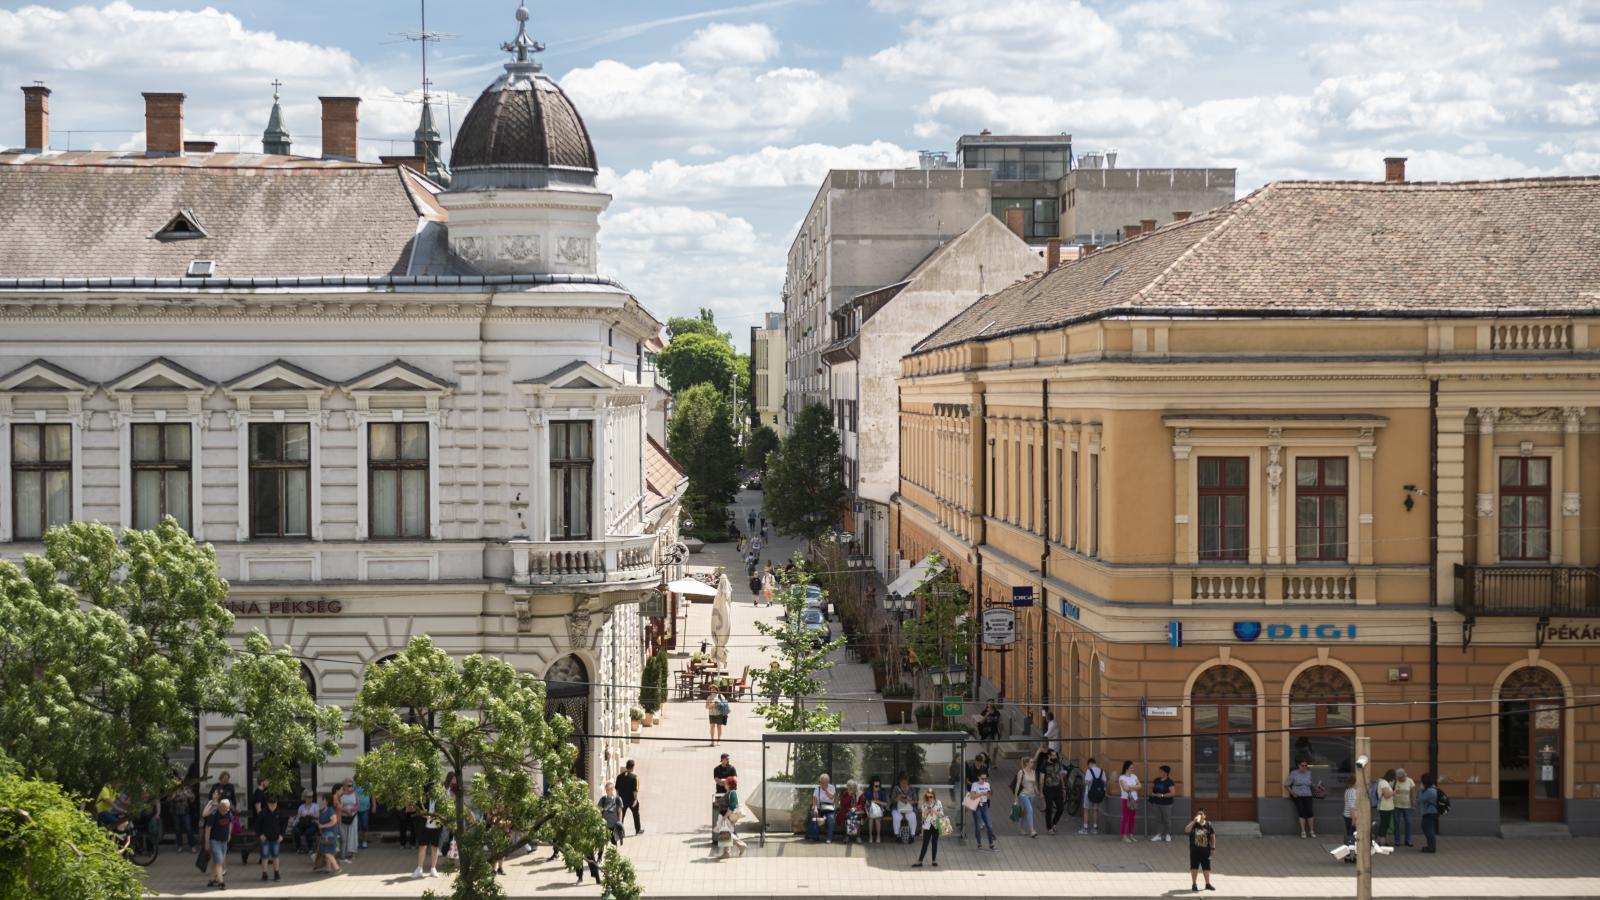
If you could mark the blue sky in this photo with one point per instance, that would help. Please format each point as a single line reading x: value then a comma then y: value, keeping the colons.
x: 715, y: 121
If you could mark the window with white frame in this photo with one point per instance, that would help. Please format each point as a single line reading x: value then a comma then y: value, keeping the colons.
x: 397, y: 479
x: 571, y: 480
x: 280, y: 479
x: 163, y: 476
x: 41, y: 478
x: 1321, y: 508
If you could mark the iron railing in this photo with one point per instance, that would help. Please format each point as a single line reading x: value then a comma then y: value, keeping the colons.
x: 1528, y: 590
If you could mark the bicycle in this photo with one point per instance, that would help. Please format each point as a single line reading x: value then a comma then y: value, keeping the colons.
x: 144, y: 843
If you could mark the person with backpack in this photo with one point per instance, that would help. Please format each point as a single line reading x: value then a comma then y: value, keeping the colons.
x: 718, y: 708
x: 1094, y: 794
x: 1428, y: 808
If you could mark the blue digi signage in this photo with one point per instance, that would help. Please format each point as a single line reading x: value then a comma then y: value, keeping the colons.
x: 1283, y: 631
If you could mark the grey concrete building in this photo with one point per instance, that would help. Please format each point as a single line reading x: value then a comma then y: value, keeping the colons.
x: 1099, y: 203
x: 865, y: 229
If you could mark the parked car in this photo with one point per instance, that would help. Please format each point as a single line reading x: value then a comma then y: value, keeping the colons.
x: 815, y: 600
x: 814, y: 623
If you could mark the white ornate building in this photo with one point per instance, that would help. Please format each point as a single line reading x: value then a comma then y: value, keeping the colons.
x: 394, y: 409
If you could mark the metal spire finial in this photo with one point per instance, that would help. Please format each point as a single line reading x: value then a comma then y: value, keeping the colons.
x: 275, y: 85
x: 522, y: 45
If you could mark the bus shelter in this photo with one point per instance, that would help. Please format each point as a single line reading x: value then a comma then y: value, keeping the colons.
x: 792, y: 763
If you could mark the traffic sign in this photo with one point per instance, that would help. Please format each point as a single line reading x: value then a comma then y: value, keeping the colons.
x: 952, y: 707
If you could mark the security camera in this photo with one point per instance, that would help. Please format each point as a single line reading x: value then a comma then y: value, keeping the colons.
x: 1361, y: 762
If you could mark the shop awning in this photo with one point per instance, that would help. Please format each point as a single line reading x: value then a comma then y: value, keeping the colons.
x: 692, y: 587
x: 917, y: 574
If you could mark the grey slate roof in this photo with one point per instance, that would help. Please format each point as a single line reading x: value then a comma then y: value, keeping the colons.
x: 1521, y: 247
x: 535, y: 126
x: 96, y: 218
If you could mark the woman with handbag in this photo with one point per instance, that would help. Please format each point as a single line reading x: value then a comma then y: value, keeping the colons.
x: 877, y: 808
x: 978, y: 803
x: 903, y: 802
x: 1299, y: 785
x: 1026, y: 788
x: 934, y: 824
x: 1129, y: 783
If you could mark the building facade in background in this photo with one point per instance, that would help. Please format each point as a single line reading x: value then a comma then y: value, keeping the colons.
x: 1293, y: 467
x: 767, y: 374
x: 392, y: 409
x: 870, y: 335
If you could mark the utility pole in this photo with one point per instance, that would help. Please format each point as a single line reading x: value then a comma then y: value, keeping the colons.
x: 1363, y: 820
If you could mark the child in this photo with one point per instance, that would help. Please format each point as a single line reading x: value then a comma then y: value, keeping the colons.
x: 269, y: 824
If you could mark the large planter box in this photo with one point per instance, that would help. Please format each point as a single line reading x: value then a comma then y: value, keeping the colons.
x: 898, y: 711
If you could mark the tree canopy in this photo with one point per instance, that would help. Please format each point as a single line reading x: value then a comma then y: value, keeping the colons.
x: 762, y: 441
x: 704, y: 323
x: 799, y: 656
x: 50, y: 850
x: 435, y: 716
x: 804, y: 488
x: 701, y: 436
x: 697, y: 358
x: 111, y: 644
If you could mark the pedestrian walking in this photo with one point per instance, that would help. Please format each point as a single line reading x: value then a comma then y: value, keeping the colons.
x: 1094, y: 794
x: 328, y: 834
x: 1052, y: 733
x: 877, y: 803
x: 258, y: 802
x: 1162, y: 792
x: 934, y: 824
x: 723, y: 771
x: 1350, y: 799
x: 268, y: 825
x: 628, y: 791
x: 1053, y: 787
x: 1202, y: 847
x: 978, y: 803
x: 611, y: 813
x: 769, y: 583
x: 217, y: 820
x: 349, y: 826
x: 1128, y: 782
x: 1026, y: 789
x: 430, y: 831
x: 717, y: 709
x: 1428, y: 808
x: 1385, y: 791
x: 755, y: 589
x: 1404, y: 788
x: 1299, y: 786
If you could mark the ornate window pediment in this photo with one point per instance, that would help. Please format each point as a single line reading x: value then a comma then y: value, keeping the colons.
x: 160, y: 383
x: 278, y: 385
x: 575, y: 376
x: 396, y: 385
x: 41, y: 385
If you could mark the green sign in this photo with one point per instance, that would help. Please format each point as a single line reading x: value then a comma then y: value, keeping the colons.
x: 952, y: 706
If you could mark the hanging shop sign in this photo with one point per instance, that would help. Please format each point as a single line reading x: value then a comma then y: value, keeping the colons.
x: 321, y: 607
x: 999, y: 626
x: 1022, y: 596
x: 1283, y: 631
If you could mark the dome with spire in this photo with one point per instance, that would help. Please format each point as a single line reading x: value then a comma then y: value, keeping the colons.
x: 522, y: 132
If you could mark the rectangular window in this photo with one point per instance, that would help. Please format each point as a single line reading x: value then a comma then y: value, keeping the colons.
x: 1525, y: 508
x: 41, y: 479
x: 1224, y: 496
x: 1055, y: 497
x: 280, y: 479
x: 1094, y: 504
x: 1321, y: 508
x: 397, y: 479
x: 571, y: 480
x: 1073, y: 536
x: 163, y: 474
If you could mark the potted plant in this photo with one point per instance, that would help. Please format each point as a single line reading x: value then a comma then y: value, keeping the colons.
x: 924, y: 716
x: 897, y: 703
x: 635, y: 717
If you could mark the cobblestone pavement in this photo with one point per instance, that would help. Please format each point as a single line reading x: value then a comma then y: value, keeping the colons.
x: 671, y: 856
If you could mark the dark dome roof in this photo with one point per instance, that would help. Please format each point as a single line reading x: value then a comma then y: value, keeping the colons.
x: 523, y: 120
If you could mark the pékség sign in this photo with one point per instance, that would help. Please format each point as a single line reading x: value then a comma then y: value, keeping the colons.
x: 268, y: 608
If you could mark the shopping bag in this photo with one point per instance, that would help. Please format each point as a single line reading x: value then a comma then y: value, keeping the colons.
x: 1016, y: 812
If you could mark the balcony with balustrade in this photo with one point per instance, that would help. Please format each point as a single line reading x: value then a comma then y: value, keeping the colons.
x: 621, y: 561
x: 1527, y: 590
x: 1273, y: 585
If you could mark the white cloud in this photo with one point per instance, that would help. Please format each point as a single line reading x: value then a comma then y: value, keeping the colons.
x: 1579, y: 106
x: 665, y: 98
x: 722, y: 44
x: 798, y: 167
x: 996, y: 41
x: 666, y: 254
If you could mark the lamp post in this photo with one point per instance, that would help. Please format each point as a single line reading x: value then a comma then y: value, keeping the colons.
x: 1363, y: 820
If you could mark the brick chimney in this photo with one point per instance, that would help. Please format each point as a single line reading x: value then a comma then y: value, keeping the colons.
x: 1016, y: 221
x: 339, y: 118
x: 199, y: 146
x: 163, y: 124
x: 1052, y: 253
x: 36, y: 115
x: 1131, y: 231
x: 1087, y: 249
x: 1147, y: 225
x: 1394, y: 169
x: 1180, y: 215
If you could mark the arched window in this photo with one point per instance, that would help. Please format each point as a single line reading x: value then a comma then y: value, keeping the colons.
x: 567, y: 693
x: 1322, y: 715
x: 1223, y: 712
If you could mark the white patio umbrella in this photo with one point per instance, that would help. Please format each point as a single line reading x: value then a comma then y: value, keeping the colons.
x: 721, y: 621
x: 692, y: 587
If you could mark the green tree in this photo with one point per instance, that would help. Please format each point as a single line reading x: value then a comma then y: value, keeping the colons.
x: 110, y: 646
x: 439, y: 716
x: 50, y: 850
x: 799, y: 656
x: 943, y: 630
x: 804, y: 488
x: 704, y: 323
x: 696, y: 358
x: 700, y: 436
x: 762, y: 441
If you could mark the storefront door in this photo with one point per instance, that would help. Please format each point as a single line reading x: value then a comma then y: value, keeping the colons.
x: 1224, y: 744
x: 1531, y: 741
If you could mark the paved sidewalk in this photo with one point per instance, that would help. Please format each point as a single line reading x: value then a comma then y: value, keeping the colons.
x: 671, y: 856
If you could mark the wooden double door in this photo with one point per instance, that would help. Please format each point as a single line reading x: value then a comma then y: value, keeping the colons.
x: 1223, y: 762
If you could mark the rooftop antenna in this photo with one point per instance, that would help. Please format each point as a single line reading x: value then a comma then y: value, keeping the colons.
x: 424, y: 37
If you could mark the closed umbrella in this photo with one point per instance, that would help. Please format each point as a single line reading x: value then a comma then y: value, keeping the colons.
x: 721, y: 621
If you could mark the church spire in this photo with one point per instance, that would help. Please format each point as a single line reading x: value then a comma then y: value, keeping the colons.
x: 426, y: 142
x: 275, y: 140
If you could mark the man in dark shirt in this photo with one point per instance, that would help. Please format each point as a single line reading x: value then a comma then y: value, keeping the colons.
x: 1161, y: 794
x: 258, y: 802
x: 721, y: 773
x: 269, y: 823
x: 1202, y: 846
x: 628, y: 793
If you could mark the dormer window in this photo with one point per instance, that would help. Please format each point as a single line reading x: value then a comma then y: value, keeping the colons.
x: 183, y: 226
x: 202, y: 268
